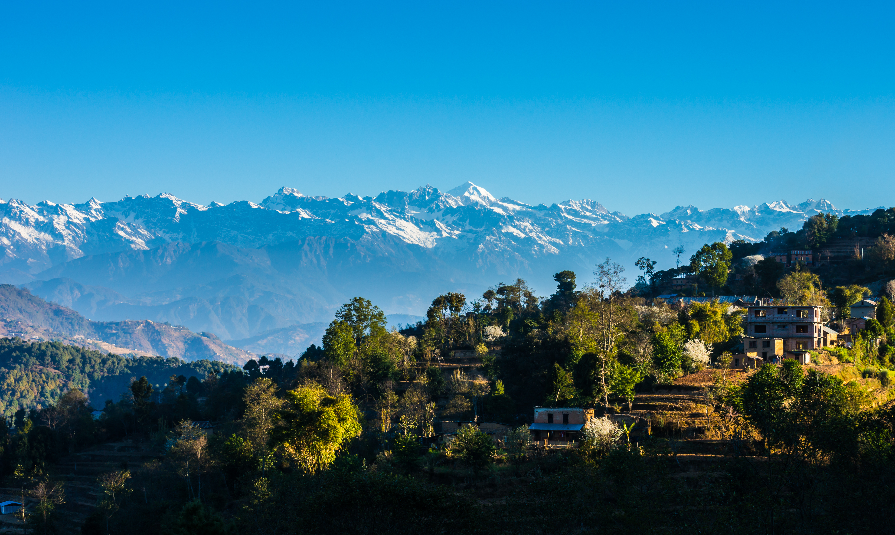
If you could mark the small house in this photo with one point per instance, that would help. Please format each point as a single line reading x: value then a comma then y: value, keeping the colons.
x: 9, y: 507
x: 559, y: 426
x: 748, y: 361
x: 768, y: 349
x: 865, y: 308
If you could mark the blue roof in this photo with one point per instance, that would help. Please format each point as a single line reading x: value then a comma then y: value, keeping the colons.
x: 555, y: 427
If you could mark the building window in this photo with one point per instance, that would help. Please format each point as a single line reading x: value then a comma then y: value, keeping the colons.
x: 565, y: 418
x: 753, y: 344
x: 761, y: 329
x: 800, y: 345
x: 736, y: 362
x: 764, y: 354
x: 759, y: 313
x: 781, y: 311
x: 781, y: 327
x: 766, y: 343
x: 802, y: 314
x: 549, y: 417
x: 802, y: 329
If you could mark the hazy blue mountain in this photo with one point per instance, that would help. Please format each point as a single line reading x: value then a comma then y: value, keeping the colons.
x: 246, y: 270
x: 31, y: 318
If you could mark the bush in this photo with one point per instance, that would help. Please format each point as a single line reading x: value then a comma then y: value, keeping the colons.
x: 885, y: 378
x: 868, y: 373
x: 517, y: 442
x: 601, y: 433
x: 472, y: 446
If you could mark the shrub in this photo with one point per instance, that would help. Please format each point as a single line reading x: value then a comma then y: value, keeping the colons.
x: 517, y: 442
x: 601, y: 433
x: 885, y: 378
x: 472, y: 446
x: 868, y: 373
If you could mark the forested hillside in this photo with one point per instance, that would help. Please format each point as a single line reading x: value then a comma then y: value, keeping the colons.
x: 27, y: 315
x: 386, y: 431
x: 35, y: 375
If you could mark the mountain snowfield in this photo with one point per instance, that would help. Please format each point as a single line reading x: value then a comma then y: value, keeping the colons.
x: 243, y: 269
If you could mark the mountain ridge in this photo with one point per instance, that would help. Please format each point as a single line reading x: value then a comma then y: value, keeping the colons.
x: 244, y: 269
x: 27, y: 316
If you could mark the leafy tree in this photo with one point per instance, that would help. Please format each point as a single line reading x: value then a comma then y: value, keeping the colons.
x: 314, y: 426
x: 340, y: 344
x: 667, y: 353
x: 236, y: 457
x: 511, y: 305
x: 188, y: 450
x: 197, y: 519
x: 762, y: 398
x: 261, y: 404
x: 363, y: 317
x: 565, y: 296
x: 873, y: 330
x: 406, y: 451
x: 444, y: 318
x: 884, y: 248
x: 768, y: 271
x: 562, y: 389
x: 820, y: 228
x: 843, y: 297
x: 711, y: 322
x: 885, y: 313
x: 791, y: 376
x: 712, y: 264
x: 142, y: 392
x: 517, y: 442
x: 802, y: 288
x: 624, y: 379
x: 473, y: 447
x: 822, y: 419
x: 648, y: 268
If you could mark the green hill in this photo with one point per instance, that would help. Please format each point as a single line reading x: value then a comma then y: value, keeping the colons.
x: 35, y: 374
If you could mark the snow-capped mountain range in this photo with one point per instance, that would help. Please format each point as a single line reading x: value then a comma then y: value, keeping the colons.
x: 243, y: 268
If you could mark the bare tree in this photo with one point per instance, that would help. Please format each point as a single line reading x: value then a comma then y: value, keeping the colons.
x: 48, y: 495
x: 114, y: 489
x: 610, y: 282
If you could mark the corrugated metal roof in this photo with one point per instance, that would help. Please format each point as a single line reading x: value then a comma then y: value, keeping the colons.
x: 829, y: 330
x: 556, y: 427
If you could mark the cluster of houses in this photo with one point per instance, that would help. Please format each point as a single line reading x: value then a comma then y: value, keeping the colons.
x: 774, y: 330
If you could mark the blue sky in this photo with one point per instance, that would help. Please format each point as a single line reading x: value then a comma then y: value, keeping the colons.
x: 640, y: 105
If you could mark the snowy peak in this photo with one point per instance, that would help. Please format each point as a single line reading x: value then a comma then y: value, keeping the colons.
x: 468, y: 218
x: 284, y: 200
x: 469, y: 193
x: 779, y: 206
x: 814, y: 207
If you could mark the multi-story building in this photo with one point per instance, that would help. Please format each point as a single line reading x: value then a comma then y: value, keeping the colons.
x: 775, y: 331
x: 793, y: 257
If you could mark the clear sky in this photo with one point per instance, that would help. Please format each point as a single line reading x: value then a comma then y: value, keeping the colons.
x: 640, y: 105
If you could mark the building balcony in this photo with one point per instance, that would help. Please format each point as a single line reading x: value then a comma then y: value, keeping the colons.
x: 780, y: 318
